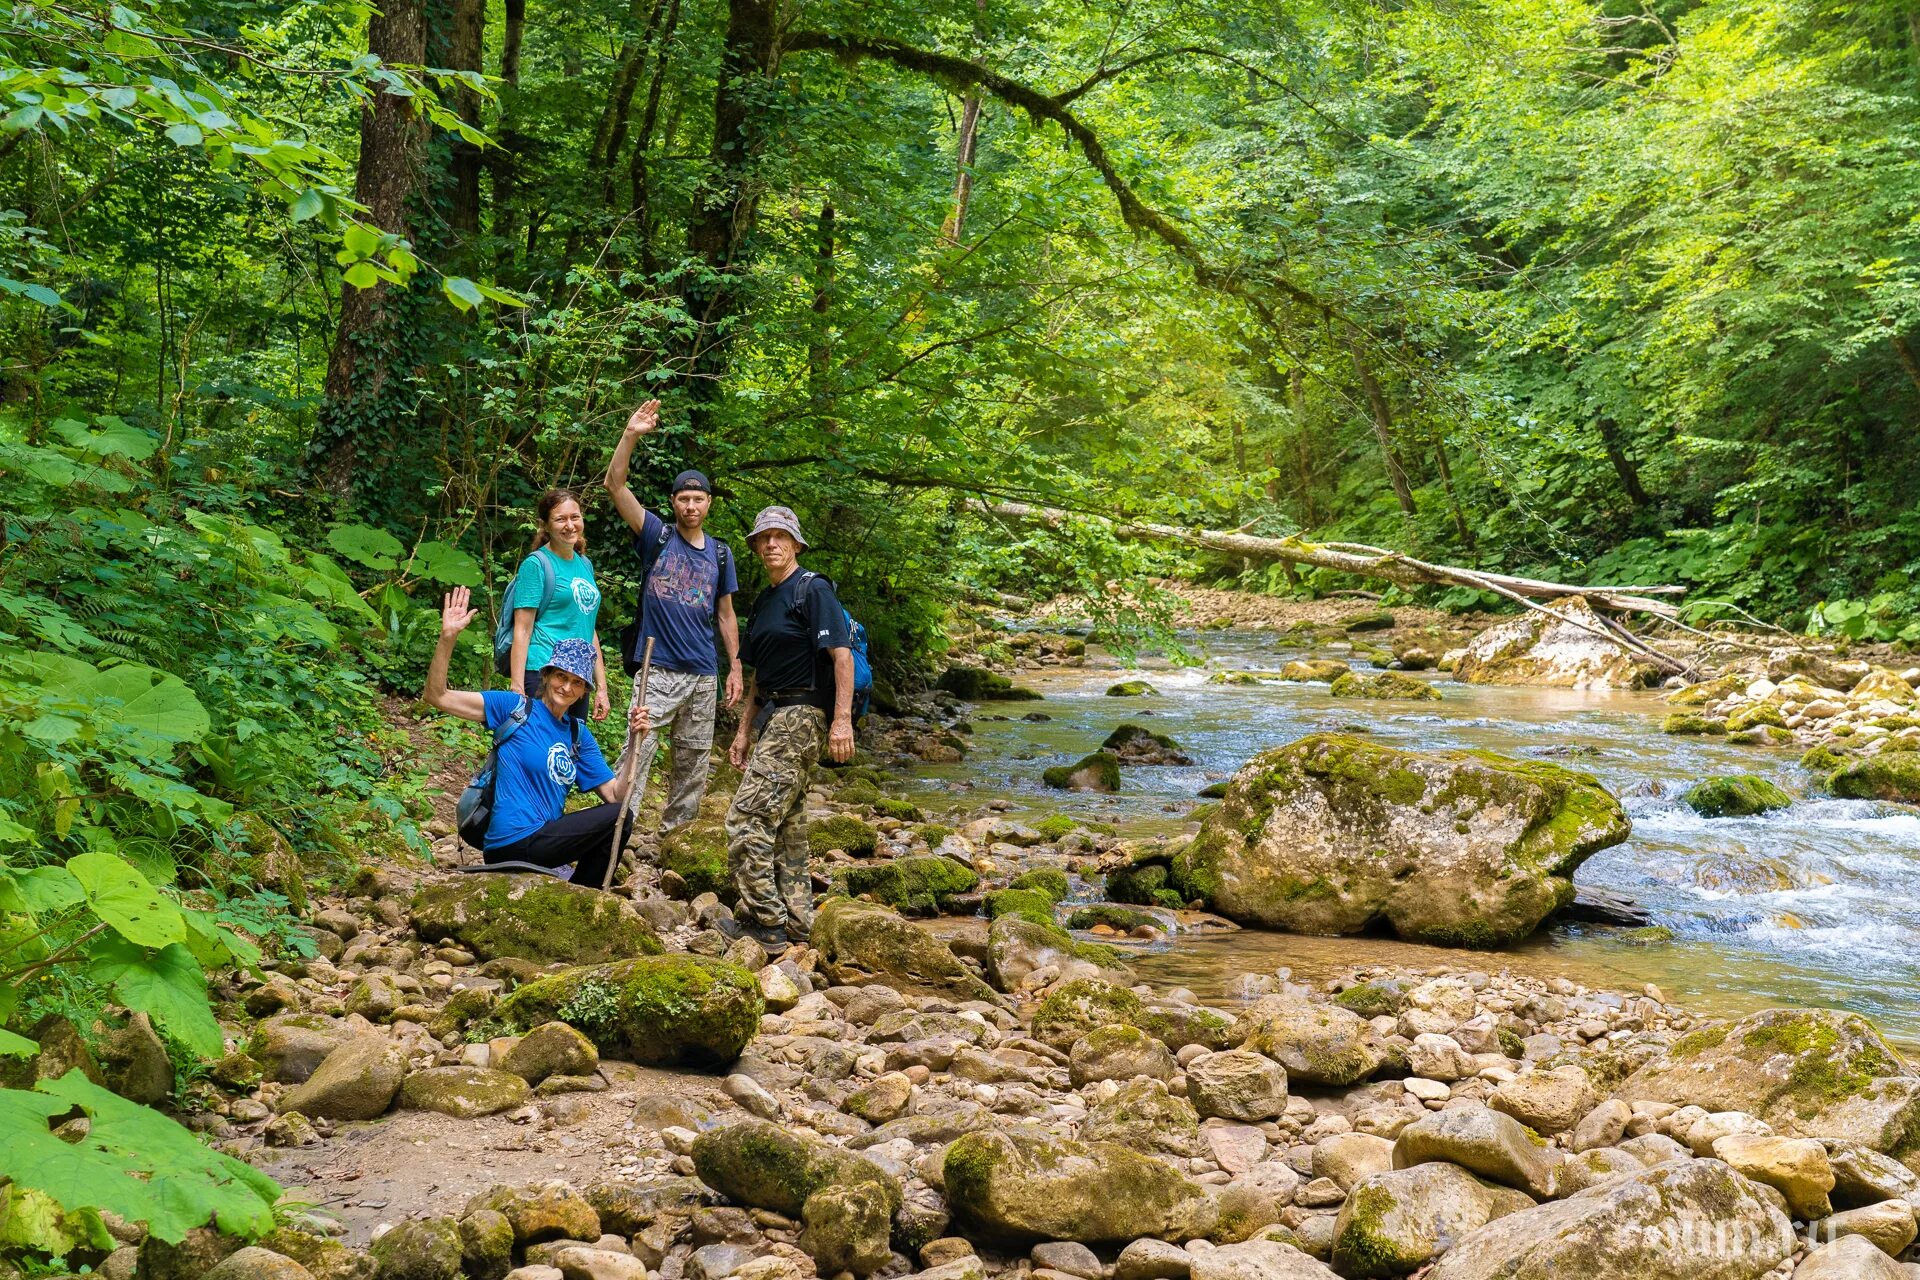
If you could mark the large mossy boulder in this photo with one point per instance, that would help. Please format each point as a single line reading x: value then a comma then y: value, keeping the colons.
x: 1020, y: 1186
x: 357, y: 1081
x: 1388, y: 685
x: 764, y: 1166
x: 921, y: 884
x: 1740, y: 795
x: 1671, y: 1222
x: 1320, y: 1044
x: 1572, y: 649
x: 1396, y: 1222
x: 1306, y: 670
x: 1131, y: 689
x: 654, y: 1010
x: 1133, y: 744
x: 1813, y: 1072
x: 1333, y: 835
x: 844, y: 832
x: 1891, y: 775
x: 532, y: 917
x: 976, y: 684
x: 1020, y: 947
x: 1097, y: 772
x: 1076, y: 1007
x: 863, y: 942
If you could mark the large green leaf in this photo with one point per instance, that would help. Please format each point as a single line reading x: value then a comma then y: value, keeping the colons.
x: 363, y: 544
x: 122, y: 897
x: 166, y: 984
x: 13, y: 1046
x: 444, y: 562
x: 152, y: 703
x: 133, y: 1162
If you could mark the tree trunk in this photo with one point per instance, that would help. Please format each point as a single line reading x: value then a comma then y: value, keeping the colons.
x: 1460, y: 525
x: 504, y: 161
x: 1901, y: 346
x: 1302, y: 448
x: 455, y: 41
x: 640, y: 178
x: 1382, y: 426
x: 364, y: 394
x: 1622, y: 465
x: 963, y: 169
x: 724, y: 208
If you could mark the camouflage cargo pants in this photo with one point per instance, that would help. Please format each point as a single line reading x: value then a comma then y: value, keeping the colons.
x: 767, y: 823
x: 682, y: 703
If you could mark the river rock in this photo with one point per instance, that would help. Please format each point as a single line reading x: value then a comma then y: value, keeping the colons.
x: 578, y: 1262
x: 1546, y: 1101
x: 551, y: 1049
x: 1257, y: 1260
x: 1482, y: 1141
x: 1796, y: 1167
x: 540, y: 1212
x: 1850, y: 1258
x: 1316, y: 1043
x: 1863, y: 1176
x: 255, y: 1263
x: 1740, y: 795
x: 1118, y: 1053
x: 1889, y: 1225
x: 291, y: 1046
x: 463, y: 1092
x: 356, y: 1081
x: 1318, y: 670
x: 135, y: 1062
x: 1807, y: 1072
x: 654, y: 1010
x: 1569, y: 650
x: 1333, y: 834
x: 1073, y: 1008
x: 863, y: 941
x: 1396, y: 1222
x: 1142, y: 1115
x: 1020, y: 1185
x: 532, y: 917
x: 1018, y: 948
x: 846, y: 1227
x: 1686, y: 1220
x: 1386, y: 685
x: 1132, y: 744
x: 1237, y: 1085
x: 1891, y: 775
x: 1152, y: 1260
x: 1099, y: 771
x: 486, y: 1244
x: 1348, y: 1157
x: 764, y: 1166
x: 420, y: 1249
x: 1822, y: 669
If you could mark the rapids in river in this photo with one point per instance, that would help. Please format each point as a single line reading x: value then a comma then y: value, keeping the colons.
x: 1817, y: 904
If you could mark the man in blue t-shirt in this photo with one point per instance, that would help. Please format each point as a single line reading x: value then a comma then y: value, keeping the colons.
x: 686, y: 597
x: 542, y: 761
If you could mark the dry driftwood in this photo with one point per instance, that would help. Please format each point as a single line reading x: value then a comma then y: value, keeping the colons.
x: 1378, y: 562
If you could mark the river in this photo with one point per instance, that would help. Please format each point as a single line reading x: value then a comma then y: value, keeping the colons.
x: 1817, y: 904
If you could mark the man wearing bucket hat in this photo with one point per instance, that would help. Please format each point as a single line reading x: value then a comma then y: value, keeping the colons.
x: 542, y: 757
x: 801, y: 696
x: 686, y: 596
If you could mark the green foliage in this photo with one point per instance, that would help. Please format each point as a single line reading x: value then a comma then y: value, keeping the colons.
x: 132, y: 1162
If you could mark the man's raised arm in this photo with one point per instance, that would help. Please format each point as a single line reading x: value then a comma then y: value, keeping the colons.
x: 642, y: 422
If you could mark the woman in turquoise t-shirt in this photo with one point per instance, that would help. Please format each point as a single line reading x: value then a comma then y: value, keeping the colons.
x: 567, y: 612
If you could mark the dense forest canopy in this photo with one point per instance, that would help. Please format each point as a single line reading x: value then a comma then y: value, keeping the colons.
x: 1587, y: 288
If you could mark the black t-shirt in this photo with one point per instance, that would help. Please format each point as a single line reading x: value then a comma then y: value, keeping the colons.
x: 788, y: 637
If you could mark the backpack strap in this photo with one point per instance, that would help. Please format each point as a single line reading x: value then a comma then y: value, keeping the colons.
x: 513, y: 723
x: 547, y: 580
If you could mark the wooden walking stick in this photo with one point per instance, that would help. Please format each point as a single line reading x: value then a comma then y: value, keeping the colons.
x: 629, y: 759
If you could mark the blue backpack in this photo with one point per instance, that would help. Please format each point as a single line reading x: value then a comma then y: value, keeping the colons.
x: 857, y: 642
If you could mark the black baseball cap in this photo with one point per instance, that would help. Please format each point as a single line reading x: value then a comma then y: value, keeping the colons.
x: 692, y: 480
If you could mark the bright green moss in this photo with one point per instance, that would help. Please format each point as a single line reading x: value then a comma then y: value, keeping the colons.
x: 1735, y: 796
x: 1099, y: 771
x: 1051, y: 881
x: 1124, y: 919
x: 1055, y: 826
x: 1028, y: 904
x: 1686, y: 725
x: 1385, y: 685
x: 842, y: 831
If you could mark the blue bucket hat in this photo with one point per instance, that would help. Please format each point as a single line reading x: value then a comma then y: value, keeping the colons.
x: 575, y: 657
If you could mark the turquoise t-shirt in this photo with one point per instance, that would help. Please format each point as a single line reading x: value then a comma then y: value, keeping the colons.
x: 568, y: 614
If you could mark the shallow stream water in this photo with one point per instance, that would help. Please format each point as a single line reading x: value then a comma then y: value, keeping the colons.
x: 1818, y: 904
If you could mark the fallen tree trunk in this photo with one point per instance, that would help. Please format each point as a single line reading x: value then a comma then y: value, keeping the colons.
x: 1356, y: 558
x: 1378, y: 562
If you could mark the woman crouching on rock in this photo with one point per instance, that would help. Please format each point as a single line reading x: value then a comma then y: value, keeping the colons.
x: 545, y: 757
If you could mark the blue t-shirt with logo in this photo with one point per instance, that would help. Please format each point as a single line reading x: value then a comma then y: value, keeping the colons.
x: 567, y: 614
x: 536, y: 769
x: 678, y: 601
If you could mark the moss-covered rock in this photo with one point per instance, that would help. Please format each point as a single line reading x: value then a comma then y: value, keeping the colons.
x: 357, y: 1081
x: 1314, y: 670
x: 1051, y: 881
x: 1742, y: 718
x: 532, y: 917
x: 897, y: 809
x: 1317, y: 1043
x: 1140, y: 884
x: 1114, y: 916
x: 1144, y: 1117
x: 419, y: 1249
x: 1815, y: 1072
x: 1887, y: 776
x: 697, y: 853
x: 1019, y: 946
x: 1076, y: 1007
x: 1685, y: 725
x: 268, y: 857
x: 463, y: 1092
x: 552, y: 1049
x: 1707, y: 692
x: 1738, y: 795
x: 1097, y: 772
x: 655, y: 1010
x: 1131, y: 689
x: 1055, y: 826
x: 1333, y: 834
x: 1132, y: 744
x: 1028, y: 904
x: 1385, y: 684
x: 1394, y: 1223
x: 921, y: 884
x: 842, y: 831
x: 764, y: 1166
x: 1020, y: 1186
x: 976, y: 684
x: 864, y: 942
x: 1374, y: 999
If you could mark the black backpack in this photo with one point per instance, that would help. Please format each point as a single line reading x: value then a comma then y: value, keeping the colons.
x: 473, y: 813
x: 630, y: 634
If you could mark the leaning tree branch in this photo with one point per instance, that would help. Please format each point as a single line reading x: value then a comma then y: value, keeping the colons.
x: 1362, y: 561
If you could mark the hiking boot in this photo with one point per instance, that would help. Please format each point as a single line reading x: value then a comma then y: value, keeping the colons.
x: 768, y: 936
